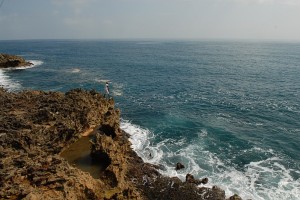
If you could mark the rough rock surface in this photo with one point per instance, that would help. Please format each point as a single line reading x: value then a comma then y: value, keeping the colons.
x: 36, y: 126
x: 7, y: 61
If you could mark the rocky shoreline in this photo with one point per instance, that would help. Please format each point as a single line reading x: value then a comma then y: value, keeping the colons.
x: 8, y: 61
x: 36, y: 126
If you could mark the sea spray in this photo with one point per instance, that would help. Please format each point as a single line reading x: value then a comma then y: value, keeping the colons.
x: 7, y: 83
x: 266, y: 179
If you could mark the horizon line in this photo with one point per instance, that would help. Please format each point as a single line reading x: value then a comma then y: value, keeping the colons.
x: 160, y: 39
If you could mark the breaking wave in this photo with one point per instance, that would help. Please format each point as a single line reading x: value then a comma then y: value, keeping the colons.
x: 267, y: 179
x: 8, y: 83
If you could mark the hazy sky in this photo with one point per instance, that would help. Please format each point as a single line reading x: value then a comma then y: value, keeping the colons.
x: 163, y: 19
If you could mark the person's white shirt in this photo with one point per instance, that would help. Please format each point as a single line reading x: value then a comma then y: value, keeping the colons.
x: 107, y: 88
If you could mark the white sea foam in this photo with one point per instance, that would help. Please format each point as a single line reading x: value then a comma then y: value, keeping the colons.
x: 8, y: 83
x: 75, y: 70
x: 117, y: 89
x: 272, y: 180
x: 267, y: 179
x: 202, y: 133
x: 102, y: 80
x: 36, y: 62
x: 140, y: 139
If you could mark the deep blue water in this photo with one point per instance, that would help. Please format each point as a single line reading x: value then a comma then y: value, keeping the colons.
x: 227, y: 110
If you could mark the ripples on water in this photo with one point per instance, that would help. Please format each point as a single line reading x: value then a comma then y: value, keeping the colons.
x: 227, y: 110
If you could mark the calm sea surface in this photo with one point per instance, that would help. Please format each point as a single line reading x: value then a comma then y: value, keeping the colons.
x: 229, y: 111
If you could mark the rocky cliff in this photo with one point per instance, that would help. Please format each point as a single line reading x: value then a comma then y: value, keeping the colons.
x: 36, y: 126
x: 7, y: 61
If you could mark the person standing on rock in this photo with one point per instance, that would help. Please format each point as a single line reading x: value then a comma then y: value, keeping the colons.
x: 107, y: 88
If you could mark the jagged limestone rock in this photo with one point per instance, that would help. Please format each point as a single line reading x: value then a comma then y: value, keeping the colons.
x: 36, y: 126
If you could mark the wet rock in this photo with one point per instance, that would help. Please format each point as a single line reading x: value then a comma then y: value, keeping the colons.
x: 189, y: 178
x: 204, y: 180
x: 179, y: 166
x: 7, y: 61
x: 217, y: 193
x: 235, y: 197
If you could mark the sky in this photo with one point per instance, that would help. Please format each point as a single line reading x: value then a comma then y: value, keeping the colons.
x: 150, y: 19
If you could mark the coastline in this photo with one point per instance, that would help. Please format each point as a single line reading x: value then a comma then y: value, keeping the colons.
x: 37, y: 126
x: 12, y: 61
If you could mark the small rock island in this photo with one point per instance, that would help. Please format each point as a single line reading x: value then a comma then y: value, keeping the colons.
x: 11, y: 61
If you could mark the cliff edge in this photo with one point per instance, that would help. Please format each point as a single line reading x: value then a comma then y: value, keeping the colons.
x: 36, y: 126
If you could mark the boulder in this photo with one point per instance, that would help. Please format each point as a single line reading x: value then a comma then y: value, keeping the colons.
x: 190, y: 179
x: 179, y: 166
x: 235, y: 197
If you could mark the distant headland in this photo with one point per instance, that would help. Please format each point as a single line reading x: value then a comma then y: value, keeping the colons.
x: 11, y: 61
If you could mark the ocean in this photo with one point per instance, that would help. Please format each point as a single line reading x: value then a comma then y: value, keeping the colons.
x: 227, y: 110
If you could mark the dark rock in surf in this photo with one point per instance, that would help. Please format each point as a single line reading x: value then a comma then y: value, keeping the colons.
x: 179, y: 166
x: 190, y: 179
x: 204, y: 180
x: 235, y: 197
x: 7, y: 61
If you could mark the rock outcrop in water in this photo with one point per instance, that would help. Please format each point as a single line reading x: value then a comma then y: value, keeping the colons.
x: 7, y: 61
x: 36, y: 126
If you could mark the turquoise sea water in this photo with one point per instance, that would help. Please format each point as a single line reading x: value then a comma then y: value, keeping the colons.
x: 229, y: 111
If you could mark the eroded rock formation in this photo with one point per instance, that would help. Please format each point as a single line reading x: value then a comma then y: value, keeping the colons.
x: 36, y: 126
x: 7, y: 61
